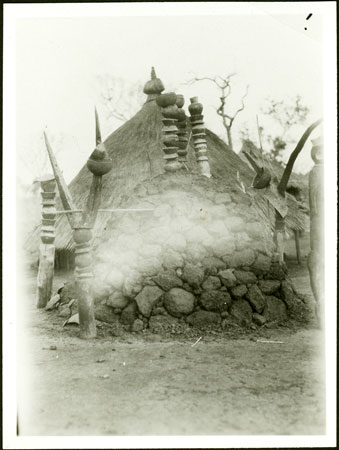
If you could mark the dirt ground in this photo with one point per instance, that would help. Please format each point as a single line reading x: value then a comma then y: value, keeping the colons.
x: 146, y: 384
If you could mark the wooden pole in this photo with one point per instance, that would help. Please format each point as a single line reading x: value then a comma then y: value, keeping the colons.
x: 83, y: 276
x: 316, y: 255
x: 65, y: 195
x: 297, y: 245
x: 47, y: 247
x: 259, y: 132
x: 99, y: 164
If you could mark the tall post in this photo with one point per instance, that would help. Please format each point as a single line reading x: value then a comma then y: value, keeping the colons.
x: 316, y: 200
x: 47, y: 247
x: 99, y: 164
x: 199, y: 136
x: 297, y: 245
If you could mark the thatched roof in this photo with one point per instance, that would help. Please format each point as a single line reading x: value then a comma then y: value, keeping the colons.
x: 136, y: 151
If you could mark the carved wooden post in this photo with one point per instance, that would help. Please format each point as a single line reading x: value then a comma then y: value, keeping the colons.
x: 182, y: 130
x: 47, y: 248
x: 199, y: 136
x: 99, y: 164
x: 169, y: 110
x: 316, y: 198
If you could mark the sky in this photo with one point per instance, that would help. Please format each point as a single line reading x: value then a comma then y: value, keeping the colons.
x: 59, y: 59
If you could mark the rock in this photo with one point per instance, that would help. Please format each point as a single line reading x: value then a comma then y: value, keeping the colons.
x: 159, y: 311
x: 179, y: 302
x: 195, y: 252
x: 179, y: 272
x: 212, y: 265
x: 197, y: 234
x: 287, y: 293
x: 211, y: 283
x: 176, y: 241
x: 101, y: 290
x: 242, y: 241
x: 222, y: 198
x: 167, y: 280
x: 149, y: 250
x: 242, y: 258
x: 277, y: 271
x: 129, y: 314
x: 242, y: 312
x: 223, y: 246
x: 147, y: 298
x: 228, y: 278
x: 254, y: 229
x: 219, y: 211
x: 68, y: 292
x: 115, y: 279
x: 194, y: 275
x: 215, y: 300
x: 172, y: 260
x: 65, y: 312
x: 275, y: 309
x: 202, y: 319
x: 106, y: 314
x: 149, y: 266
x: 262, y: 264
x: 132, y: 284
x: 258, y: 319
x: 268, y: 287
x: 160, y: 324
x: 244, y: 277
x: 53, y: 302
x: 218, y: 228
x: 239, y: 291
x: 235, y: 223
x: 255, y: 298
x: 117, y: 300
x: 137, y: 326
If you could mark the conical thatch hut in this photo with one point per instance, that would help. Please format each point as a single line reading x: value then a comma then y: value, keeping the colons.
x: 204, y: 253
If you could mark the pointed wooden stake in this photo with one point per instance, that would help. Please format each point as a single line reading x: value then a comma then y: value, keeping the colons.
x: 65, y: 195
x: 97, y: 128
x: 98, y: 163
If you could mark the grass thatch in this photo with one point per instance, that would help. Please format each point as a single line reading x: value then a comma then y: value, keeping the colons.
x: 136, y: 151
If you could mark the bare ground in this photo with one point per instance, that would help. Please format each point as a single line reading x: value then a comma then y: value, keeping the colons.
x: 132, y: 384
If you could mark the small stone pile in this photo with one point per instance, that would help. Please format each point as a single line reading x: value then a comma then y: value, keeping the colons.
x: 200, y: 258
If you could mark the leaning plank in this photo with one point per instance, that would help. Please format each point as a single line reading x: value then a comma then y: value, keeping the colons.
x: 65, y: 195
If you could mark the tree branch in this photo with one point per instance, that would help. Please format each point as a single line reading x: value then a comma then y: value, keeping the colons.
x: 288, y: 169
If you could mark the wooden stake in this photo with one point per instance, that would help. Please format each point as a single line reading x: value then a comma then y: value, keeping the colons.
x: 316, y: 255
x: 47, y: 247
x: 65, y: 195
x: 297, y: 245
x: 98, y: 163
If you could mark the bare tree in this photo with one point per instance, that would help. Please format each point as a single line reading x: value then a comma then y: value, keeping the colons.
x: 121, y: 99
x: 287, y: 114
x: 225, y: 88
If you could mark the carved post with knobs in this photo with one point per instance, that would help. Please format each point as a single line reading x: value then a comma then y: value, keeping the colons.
x: 199, y: 136
x: 47, y: 247
x: 99, y: 164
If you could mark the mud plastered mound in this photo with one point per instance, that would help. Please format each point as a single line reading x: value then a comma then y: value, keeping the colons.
x: 200, y: 258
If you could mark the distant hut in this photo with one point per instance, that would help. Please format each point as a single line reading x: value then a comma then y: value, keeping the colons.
x: 205, y: 251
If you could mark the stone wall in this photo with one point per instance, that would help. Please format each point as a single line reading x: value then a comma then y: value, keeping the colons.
x: 199, y: 258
